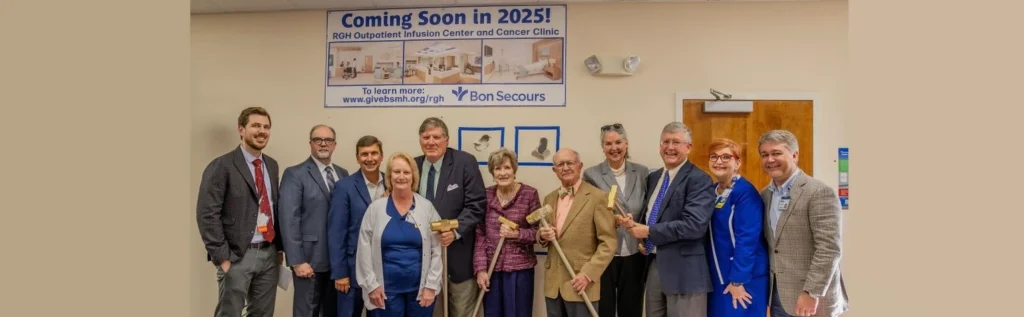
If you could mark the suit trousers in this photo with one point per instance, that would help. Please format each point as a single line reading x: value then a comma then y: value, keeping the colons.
x: 461, y: 299
x: 250, y: 283
x: 660, y: 304
x: 558, y: 307
x: 622, y: 286
x: 351, y: 304
x: 314, y: 296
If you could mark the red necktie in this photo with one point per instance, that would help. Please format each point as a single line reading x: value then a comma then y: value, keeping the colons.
x: 264, y: 201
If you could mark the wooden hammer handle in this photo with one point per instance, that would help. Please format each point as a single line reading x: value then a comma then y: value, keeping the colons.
x: 572, y: 274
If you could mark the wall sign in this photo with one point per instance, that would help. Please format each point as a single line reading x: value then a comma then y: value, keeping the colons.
x: 450, y: 56
x: 844, y: 177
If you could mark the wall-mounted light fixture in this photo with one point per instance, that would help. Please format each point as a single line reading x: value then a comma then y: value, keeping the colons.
x: 612, y: 65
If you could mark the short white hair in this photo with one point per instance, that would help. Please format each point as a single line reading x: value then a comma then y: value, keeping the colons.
x: 676, y: 127
x: 780, y: 136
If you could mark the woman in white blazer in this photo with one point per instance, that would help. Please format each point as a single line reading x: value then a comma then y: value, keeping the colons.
x: 398, y: 262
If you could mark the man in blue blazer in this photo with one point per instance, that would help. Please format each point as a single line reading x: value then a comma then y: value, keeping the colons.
x: 351, y: 196
x: 680, y: 202
x: 451, y: 180
x: 305, y: 201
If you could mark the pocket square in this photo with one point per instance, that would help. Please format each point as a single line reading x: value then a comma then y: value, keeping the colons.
x: 452, y: 187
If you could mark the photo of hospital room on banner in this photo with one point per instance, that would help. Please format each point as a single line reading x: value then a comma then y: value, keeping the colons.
x: 446, y: 62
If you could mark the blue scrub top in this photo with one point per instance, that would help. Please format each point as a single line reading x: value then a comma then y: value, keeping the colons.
x: 401, y: 251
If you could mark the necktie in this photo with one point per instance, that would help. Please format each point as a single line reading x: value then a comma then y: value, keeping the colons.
x: 330, y: 179
x: 654, y: 212
x: 430, y: 183
x: 566, y: 192
x: 261, y: 187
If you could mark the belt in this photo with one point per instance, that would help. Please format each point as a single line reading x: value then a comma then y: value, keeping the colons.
x: 260, y: 245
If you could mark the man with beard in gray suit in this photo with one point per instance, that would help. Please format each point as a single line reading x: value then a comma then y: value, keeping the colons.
x: 305, y: 202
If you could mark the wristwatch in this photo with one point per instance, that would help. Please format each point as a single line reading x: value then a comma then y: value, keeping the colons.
x: 736, y: 284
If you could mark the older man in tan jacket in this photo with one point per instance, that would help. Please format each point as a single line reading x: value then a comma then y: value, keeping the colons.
x: 585, y: 230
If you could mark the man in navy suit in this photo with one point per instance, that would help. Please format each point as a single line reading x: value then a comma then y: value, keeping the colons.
x: 348, y: 204
x: 305, y: 201
x: 451, y: 180
x: 680, y: 201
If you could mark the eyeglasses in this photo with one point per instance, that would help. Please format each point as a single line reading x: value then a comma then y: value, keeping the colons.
x: 565, y: 164
x: 611, y: 126
x: 322, y: 140
x: 724, y: 157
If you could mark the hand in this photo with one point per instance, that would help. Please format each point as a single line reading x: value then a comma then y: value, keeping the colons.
x: 806, y: 305
x: 377, y: 296
x: 640, y: 231
x: 446, y: 238
x: 483, y: 280
x: 547, y: 233
x: 623, y: 221
x: 427, y: 298
x: 304, y: 270
x: 507, y: 232
x: 642, y: 249
x: 580, y: 282
x: 739, y: 294
x: 225, y: 266
x: 342, y: 285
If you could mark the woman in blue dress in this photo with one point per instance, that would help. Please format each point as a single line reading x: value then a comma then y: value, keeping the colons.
x: 739, y: 256
x: 399, y: 259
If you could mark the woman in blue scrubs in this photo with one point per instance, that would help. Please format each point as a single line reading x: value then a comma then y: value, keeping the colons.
x: 399, y: 258
x: 739, y: 256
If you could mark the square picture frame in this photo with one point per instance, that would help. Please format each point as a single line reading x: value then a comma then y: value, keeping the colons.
x: 535, y: 145
x: 481, y: 141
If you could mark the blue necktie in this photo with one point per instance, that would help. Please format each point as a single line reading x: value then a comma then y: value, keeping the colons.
x: 654, y: 212
x: 430, y: 183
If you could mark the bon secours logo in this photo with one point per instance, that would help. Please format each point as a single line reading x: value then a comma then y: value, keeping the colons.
x: 461, y: 93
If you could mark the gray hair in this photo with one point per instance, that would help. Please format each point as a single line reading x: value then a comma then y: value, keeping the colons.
x: 333, y: 134
x: 780, y: 136
x: 499, y: 156
x: 621, y: 130
x: 434, y: 122
x: 676, y: 127
x: 576, y: 154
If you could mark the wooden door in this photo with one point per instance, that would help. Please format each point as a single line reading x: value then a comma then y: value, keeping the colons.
x: 746, y: 128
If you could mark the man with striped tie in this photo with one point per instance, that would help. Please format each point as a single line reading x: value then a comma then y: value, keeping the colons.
x: 305, y: 202
x: 680, y: 201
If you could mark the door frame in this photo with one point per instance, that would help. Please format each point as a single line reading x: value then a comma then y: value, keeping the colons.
x: 814, y: 97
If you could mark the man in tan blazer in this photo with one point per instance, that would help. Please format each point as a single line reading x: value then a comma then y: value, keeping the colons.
x: 804, y: 234
x: 585, y: 230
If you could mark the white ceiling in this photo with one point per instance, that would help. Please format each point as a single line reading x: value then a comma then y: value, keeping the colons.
x: 227, y: 6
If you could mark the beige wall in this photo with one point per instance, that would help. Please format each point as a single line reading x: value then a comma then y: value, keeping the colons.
x: 276, y: 60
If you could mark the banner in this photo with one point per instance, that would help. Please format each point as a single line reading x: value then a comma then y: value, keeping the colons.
x: 450, y: 56
x: 844, y: 177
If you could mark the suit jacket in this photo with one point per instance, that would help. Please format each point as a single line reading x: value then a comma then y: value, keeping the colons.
x: 305, y: 201
x: 806, y: 250
x: 459, y: 194
x: 348, y: 205
x: 227, y: 206
x: 587, y: 240
x: 680, y: 232
x: 602, y: 177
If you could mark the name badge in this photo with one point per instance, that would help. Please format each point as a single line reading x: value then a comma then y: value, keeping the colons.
x: 784, y: 203
x: 261, y: 222
x: 720, y: 204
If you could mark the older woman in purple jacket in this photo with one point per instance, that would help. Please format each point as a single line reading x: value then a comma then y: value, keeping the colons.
x: 509, y: 289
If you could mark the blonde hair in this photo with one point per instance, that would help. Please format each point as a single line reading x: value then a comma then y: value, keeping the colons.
x: 412, y: 165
